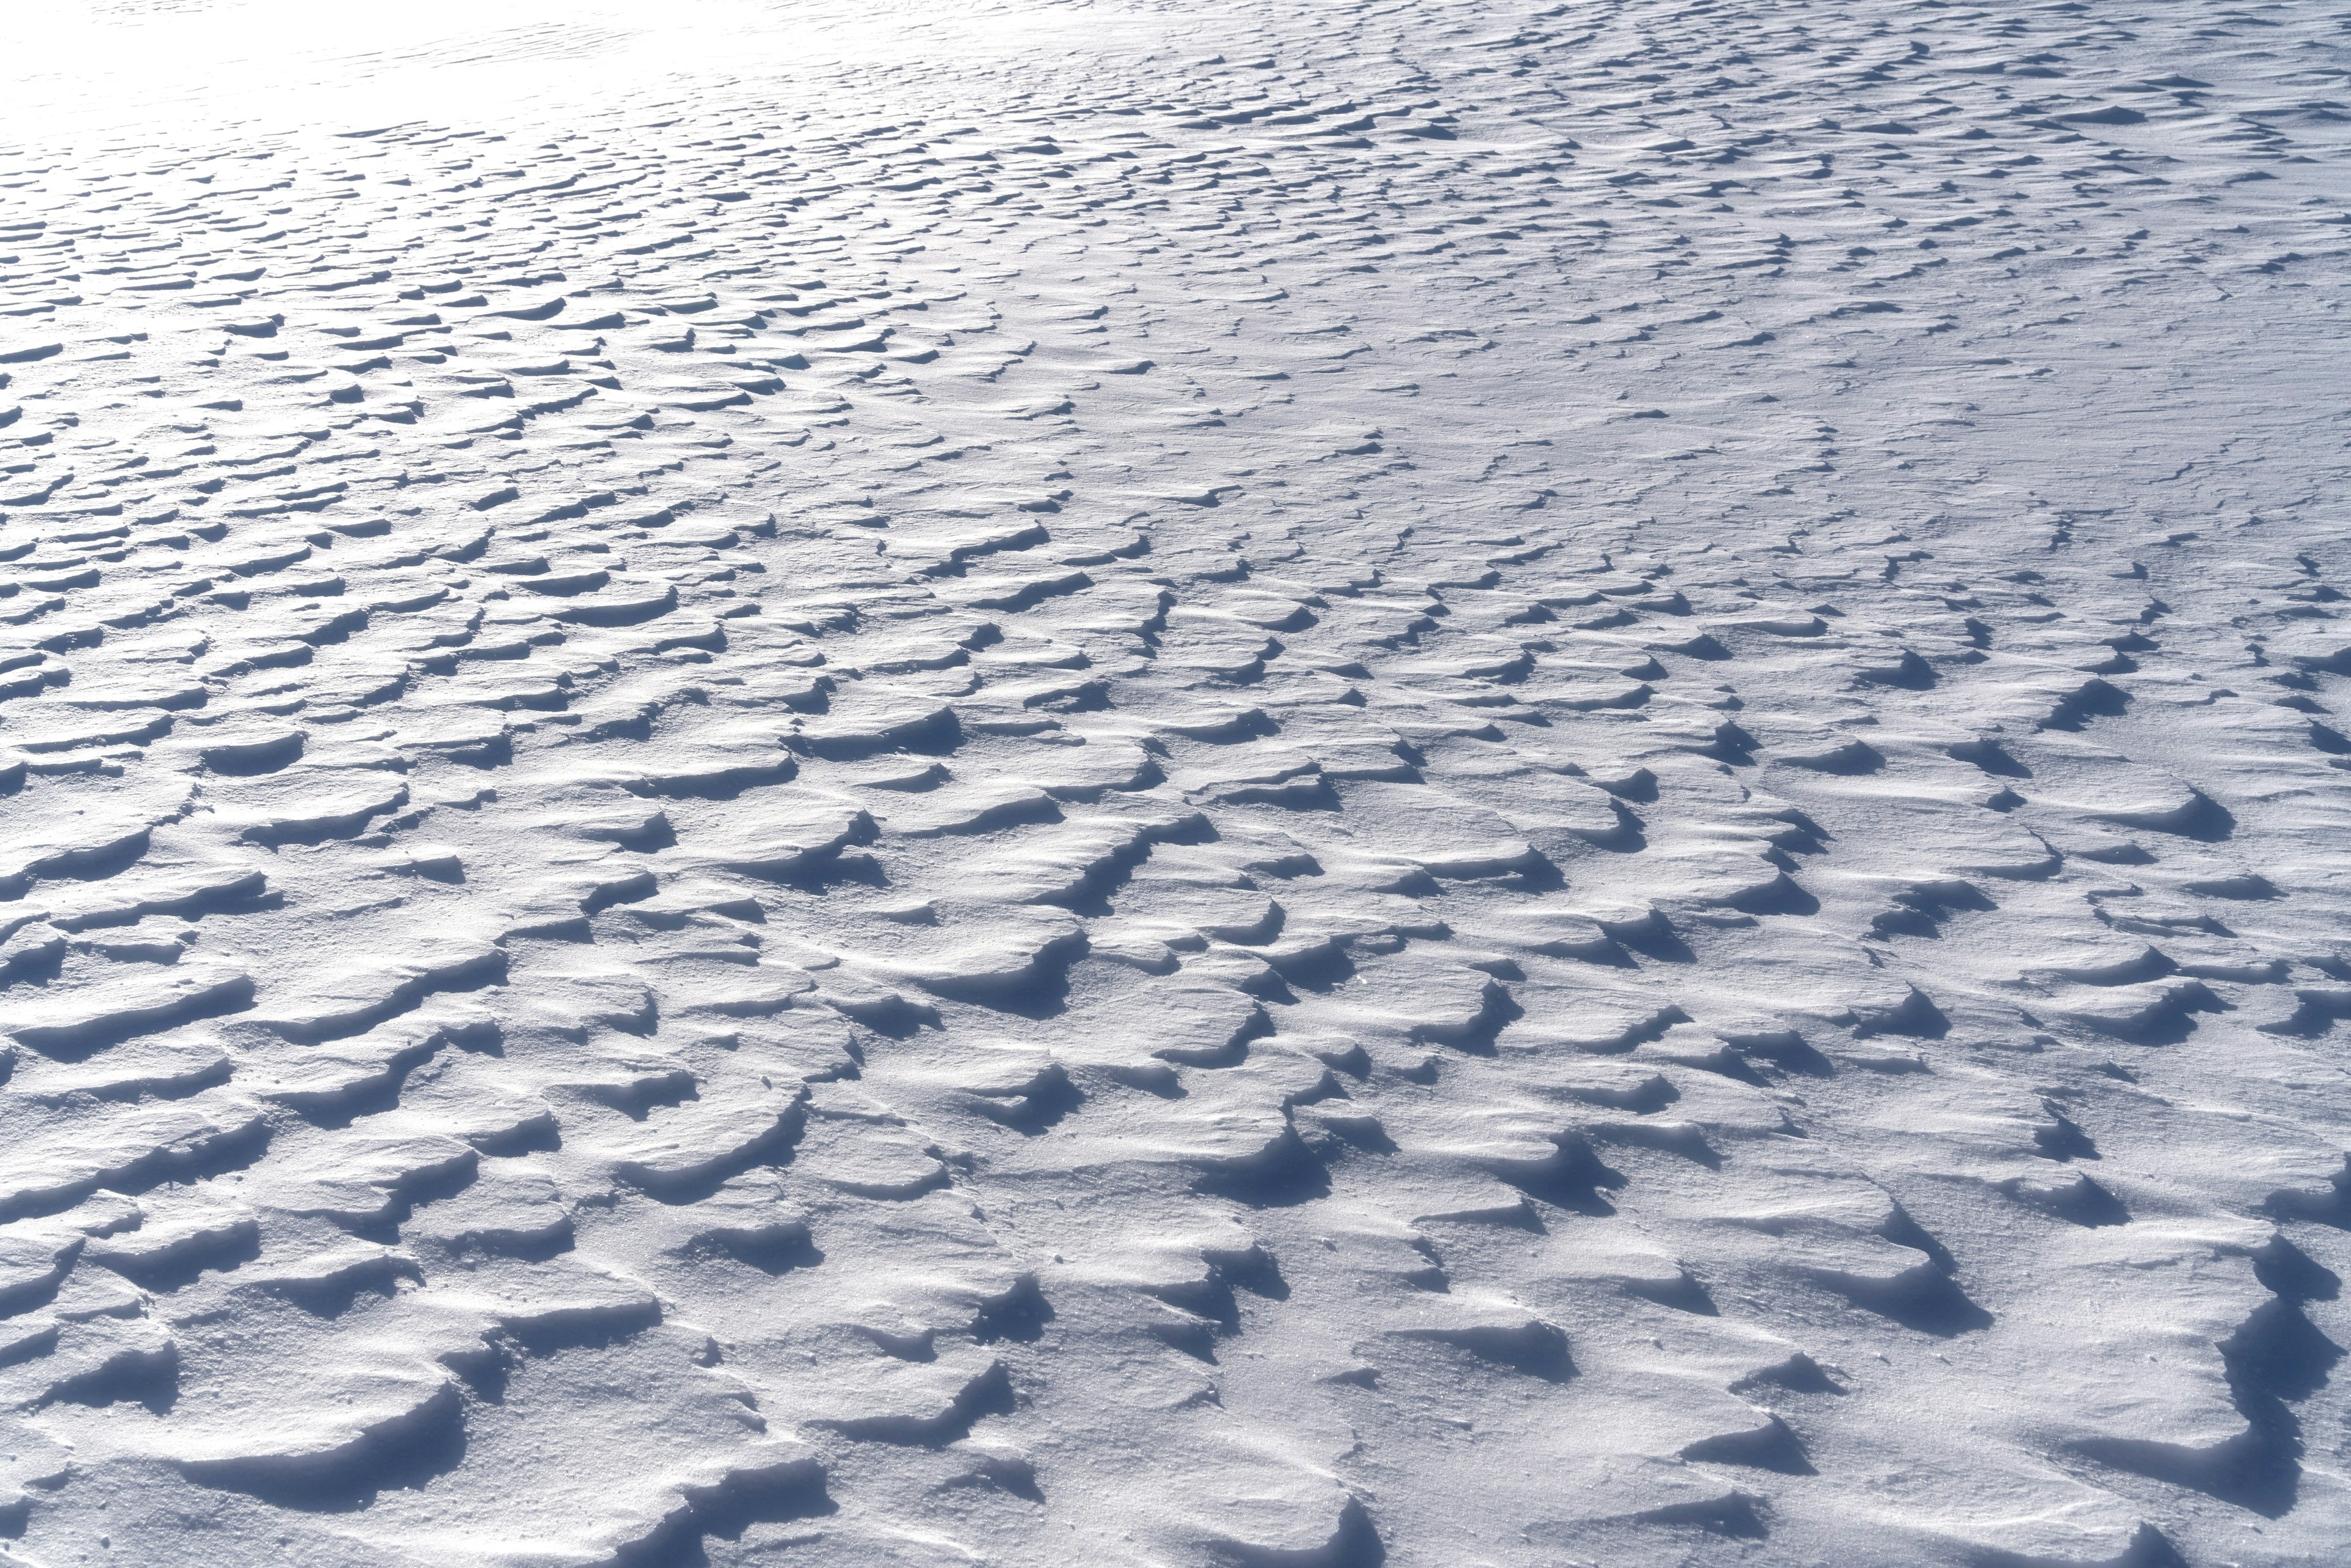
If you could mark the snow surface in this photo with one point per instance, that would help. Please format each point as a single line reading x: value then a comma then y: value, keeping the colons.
x: 1276, y: 783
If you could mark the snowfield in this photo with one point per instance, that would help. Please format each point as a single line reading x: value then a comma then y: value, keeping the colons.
x: 1275, y: 785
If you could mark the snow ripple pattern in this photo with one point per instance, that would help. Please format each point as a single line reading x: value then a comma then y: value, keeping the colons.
x: 1291, y: 784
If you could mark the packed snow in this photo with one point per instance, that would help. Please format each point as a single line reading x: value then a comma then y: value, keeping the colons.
x: 1278, y: 785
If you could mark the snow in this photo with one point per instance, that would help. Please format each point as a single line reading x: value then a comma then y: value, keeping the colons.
x: 1127, y: 784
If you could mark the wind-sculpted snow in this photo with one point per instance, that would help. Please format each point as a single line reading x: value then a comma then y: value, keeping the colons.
x: 1231, y: 784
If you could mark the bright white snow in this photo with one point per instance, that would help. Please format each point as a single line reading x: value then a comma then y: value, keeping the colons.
x: 1284, y: 783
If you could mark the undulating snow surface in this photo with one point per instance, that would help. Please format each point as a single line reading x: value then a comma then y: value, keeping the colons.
x: 1273, y: 783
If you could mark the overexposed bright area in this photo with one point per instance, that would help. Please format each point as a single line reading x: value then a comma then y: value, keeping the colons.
x: 99, y: 63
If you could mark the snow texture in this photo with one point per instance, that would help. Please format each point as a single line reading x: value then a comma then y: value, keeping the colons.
x: 1289, y: 783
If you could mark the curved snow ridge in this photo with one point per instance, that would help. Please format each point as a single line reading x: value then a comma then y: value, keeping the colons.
x: 1225, y: 785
